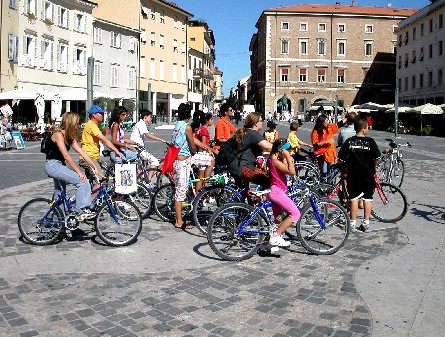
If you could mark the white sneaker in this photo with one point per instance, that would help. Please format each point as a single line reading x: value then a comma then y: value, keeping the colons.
x: 352, y: 227
x: 85, y: 214
x: 365, y: 227
x: 279, y: 241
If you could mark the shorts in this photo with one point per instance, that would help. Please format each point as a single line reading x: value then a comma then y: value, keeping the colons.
x: 151, y: 160
x: 202, y: 159
x: 88, y: 173
x: 361, y: 187
x: 181, y: 169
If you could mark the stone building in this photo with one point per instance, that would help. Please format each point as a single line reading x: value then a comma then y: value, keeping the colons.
x: 302, y: 54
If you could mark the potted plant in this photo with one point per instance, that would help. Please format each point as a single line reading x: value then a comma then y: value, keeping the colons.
x: 48, y: 22
x: 31, y: 16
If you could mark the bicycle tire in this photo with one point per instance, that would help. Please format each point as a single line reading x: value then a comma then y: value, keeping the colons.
x: 31, y: 220
x: 307, y: 173
x: 398, y: 173
x: 207, y: 201
x: 142, y: 199
x: 125, y: 230
x: 221, y: 234
x: 395, y: 207
x: 164, y: 203
x: 158, y: 178
x: 321, y: 241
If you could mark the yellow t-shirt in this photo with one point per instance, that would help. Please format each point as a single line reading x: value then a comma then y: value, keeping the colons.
x: 293, y: 141
x: 90, y: 141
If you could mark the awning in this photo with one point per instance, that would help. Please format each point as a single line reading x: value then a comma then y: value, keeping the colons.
x: 80, y: 94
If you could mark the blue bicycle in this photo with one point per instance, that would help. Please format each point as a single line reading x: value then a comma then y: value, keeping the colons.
x: 236, y: 230
x: 43, y: 221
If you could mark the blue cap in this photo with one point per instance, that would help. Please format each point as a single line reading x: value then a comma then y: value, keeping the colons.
x: 285, y: 146
x: 96, y: 109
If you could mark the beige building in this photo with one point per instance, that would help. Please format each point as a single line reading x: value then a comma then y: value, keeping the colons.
x: 218, y: 85
x: 421, y: 56
x: 163, y: 56
x: 201, y: 92
x: 305, y: 53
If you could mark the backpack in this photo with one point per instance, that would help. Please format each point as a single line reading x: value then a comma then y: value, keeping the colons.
x: 227, y: 152
x: 45, y: 145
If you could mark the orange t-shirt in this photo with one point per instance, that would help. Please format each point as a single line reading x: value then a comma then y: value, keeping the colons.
x: 223, y: 129
x: 330, y: 155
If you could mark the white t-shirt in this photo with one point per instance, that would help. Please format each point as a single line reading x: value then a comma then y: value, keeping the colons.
x: 139, y: 129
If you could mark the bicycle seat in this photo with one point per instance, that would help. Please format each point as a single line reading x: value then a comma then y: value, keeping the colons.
x: 106, y: 153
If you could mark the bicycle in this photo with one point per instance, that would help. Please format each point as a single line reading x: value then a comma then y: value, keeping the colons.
x: 43, y: 221
x: 390, y: 206
x: 391, y: 168
x: 236, y: 231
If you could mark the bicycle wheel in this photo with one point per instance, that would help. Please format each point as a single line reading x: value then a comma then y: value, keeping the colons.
x: 40, y: 223
x: 154, y: 177
x: 307, y: 173
x: 222, y: 236
x: 142, y: 199
x: 398, y: 173
x: 382, y: 169
x: 207, y: 201
x: 120, y: 225
x: 318, y: 240
x: 164, y: 203
x: 390, y: 204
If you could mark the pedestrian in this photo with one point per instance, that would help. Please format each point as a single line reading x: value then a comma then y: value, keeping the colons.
x: 322, y: 138
x: 122, y: 143
x: 140, y: 131
x: 182, y: 138
x: 91, y: 136
x: 271, y: 134
x: 295, y: 142
x: 58, y: 156
x: 280, y: 164
x: 252, y: 144
x: 361, y: 155
x: 348, y: 130
x: 223, y: 127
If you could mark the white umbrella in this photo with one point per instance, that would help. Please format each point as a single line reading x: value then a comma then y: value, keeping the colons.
x: 40, y: 107
x: 57, y: 105
x: 426, y: 109
x: 80, y: 94
x: 18, y: 94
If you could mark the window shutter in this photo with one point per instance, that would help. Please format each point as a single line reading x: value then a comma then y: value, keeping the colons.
x: 341, y: 72
x: 285, y: 71
x: 16, y: 48
x: 11, y: 41
x: 303, y: 71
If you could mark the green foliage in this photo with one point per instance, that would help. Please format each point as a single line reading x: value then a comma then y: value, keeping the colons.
x: 426, y: 130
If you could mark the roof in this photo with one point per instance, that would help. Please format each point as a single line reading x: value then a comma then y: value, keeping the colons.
x: 343, y: 9
x: 174, y: 5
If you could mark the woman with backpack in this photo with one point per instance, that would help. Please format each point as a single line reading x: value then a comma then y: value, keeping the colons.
x: 57, y: 156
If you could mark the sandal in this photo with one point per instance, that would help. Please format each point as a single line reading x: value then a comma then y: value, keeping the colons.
x: 184, y: 226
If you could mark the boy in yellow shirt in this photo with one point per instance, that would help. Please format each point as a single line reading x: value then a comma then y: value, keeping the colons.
x: 295, y: 143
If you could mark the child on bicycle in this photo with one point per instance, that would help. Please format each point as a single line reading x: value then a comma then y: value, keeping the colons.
x: 281, y: 163
x: 58, y: 156
x: 360, y: 153
x: 295, y: 142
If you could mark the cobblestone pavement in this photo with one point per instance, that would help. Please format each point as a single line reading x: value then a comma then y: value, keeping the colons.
x: 293, y: 294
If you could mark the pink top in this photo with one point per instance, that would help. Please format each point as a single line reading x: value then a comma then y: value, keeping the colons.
x: 120, y: 134
x: 203, y: 132
x: 277, y: 178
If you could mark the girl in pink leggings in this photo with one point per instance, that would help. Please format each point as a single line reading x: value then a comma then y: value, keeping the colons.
x: 281, y: 163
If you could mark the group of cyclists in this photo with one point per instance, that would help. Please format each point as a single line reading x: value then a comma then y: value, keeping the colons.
x: 358, y: 152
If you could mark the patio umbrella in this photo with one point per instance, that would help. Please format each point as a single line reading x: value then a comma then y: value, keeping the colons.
x: 18, y: 94
x: 427, y: 109
x: 372, y: 106
x: 40, y: 108
x: 57, y: 105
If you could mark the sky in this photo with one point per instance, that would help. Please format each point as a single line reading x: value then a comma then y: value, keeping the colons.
x: 233, y: 24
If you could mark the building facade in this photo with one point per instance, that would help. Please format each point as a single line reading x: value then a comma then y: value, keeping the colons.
x: 421, y: 56
x: 9, y: 47
x: 218, y: 85
x: 306, y: 53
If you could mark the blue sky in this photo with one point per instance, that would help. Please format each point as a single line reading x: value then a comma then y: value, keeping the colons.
x: 233, y: 24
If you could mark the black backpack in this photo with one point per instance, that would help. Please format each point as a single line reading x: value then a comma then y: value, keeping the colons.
x: 45, y: 145
x: 228, y: 152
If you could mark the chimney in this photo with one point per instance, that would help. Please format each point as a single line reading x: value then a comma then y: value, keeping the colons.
x: 352, y: 3
x: 337, y: 3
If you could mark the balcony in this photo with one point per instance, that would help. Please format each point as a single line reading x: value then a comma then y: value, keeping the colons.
x: 197, y: 73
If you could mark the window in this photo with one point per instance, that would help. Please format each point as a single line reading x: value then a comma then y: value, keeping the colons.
x: 183, y: 24
x: 413, y: 82
x: 321, y: 74
x: 175, y: 45
x: 46, y: 54
x: 161, y: 41
x: 285, y: 26
x: 406, y: 38
x: 13, y: 44
x: 368, y: 48
x: 400, y: 84
x: 321, y: 27
x: 284, y: 46
x: 421, y: 29
x: 162, y: 16
x: 303, y: 26
x: 30, y: 7
x: 142, y: 67
x: 153, y: 13
x: 114, y: 83
x: 62, y: 17
x: 175, y: 73
x: 440, y: 20
x: 47, y: 11
x: 394, y: 28
x: 97, y: 76
x: 143, y: 37
x: 440, y: 48
x: 161, y: 70
x: 97, y: 35
x: 430, y: 78
x: 115, y: 40
x: 183, y: 48
x: 144, y: 10
x: 420, y: 80
x: 132, y: 44
x: 321, y: 47
x: 369, y: 29
x: 406, y: 83
x: 341, y: 27
x: 131, y: 78
x: 152, y: 39
x: 79, y: 60
x: 62, y: 57
x: 341, y: 47
x: 182, y: 73
x: 421, y: 54
x: 152, y: 68
x: 284, y: 74
x: 430, y: 26
x: 414, y: 33
x: 400, y: 62
x: 29, y: 50
x: 340, y: 76
x: 430, y: 51
x: 439, y: 76
x: 12, y: 4
x: 406, y: 60
x: 303, y: 47
x: 175, y: 22
x: 413, y: 57
x: 79, y: 23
